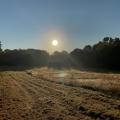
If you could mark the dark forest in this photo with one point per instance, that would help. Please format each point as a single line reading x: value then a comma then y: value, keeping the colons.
x: 102, y: 55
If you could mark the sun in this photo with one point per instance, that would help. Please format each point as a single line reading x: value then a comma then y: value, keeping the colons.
x: 55, y: 42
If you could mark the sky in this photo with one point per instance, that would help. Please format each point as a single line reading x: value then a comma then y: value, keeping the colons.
x: 74, y: 23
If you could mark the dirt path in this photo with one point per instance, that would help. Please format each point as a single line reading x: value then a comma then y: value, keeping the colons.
x: 25, y: 97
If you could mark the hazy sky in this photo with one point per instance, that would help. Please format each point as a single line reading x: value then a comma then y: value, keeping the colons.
x: 75, y: 23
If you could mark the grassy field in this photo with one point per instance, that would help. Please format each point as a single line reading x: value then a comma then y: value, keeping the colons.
x: 48, y: 94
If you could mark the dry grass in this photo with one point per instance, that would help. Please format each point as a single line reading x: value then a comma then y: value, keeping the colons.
x: 48, y: 94
x: 107, y: 83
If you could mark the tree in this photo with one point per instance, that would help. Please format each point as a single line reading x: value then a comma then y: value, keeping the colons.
x: 0, y: 47
x: 106, y: 40
x: 87, y: 48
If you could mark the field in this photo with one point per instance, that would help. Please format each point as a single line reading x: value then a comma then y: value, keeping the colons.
x: 48, y: 94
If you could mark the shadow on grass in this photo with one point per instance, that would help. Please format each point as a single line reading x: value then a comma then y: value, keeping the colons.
x: 16, y: 68
x: 85, y: 69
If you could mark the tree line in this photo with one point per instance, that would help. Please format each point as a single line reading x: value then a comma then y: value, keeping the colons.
x: 102, y: 55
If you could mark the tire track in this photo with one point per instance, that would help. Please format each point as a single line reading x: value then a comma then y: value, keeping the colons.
x: 16, y: 99
x: 25, y: 97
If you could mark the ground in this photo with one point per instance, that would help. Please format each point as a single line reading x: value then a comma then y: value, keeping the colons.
x: 48, y: 94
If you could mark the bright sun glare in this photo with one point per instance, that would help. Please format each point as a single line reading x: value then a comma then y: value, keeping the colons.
x: 55, y: 42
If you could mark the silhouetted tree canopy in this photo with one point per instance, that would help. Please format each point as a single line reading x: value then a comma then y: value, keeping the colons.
x: 29, y: 57
x: 60, y: 60
x: 103, y: 55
